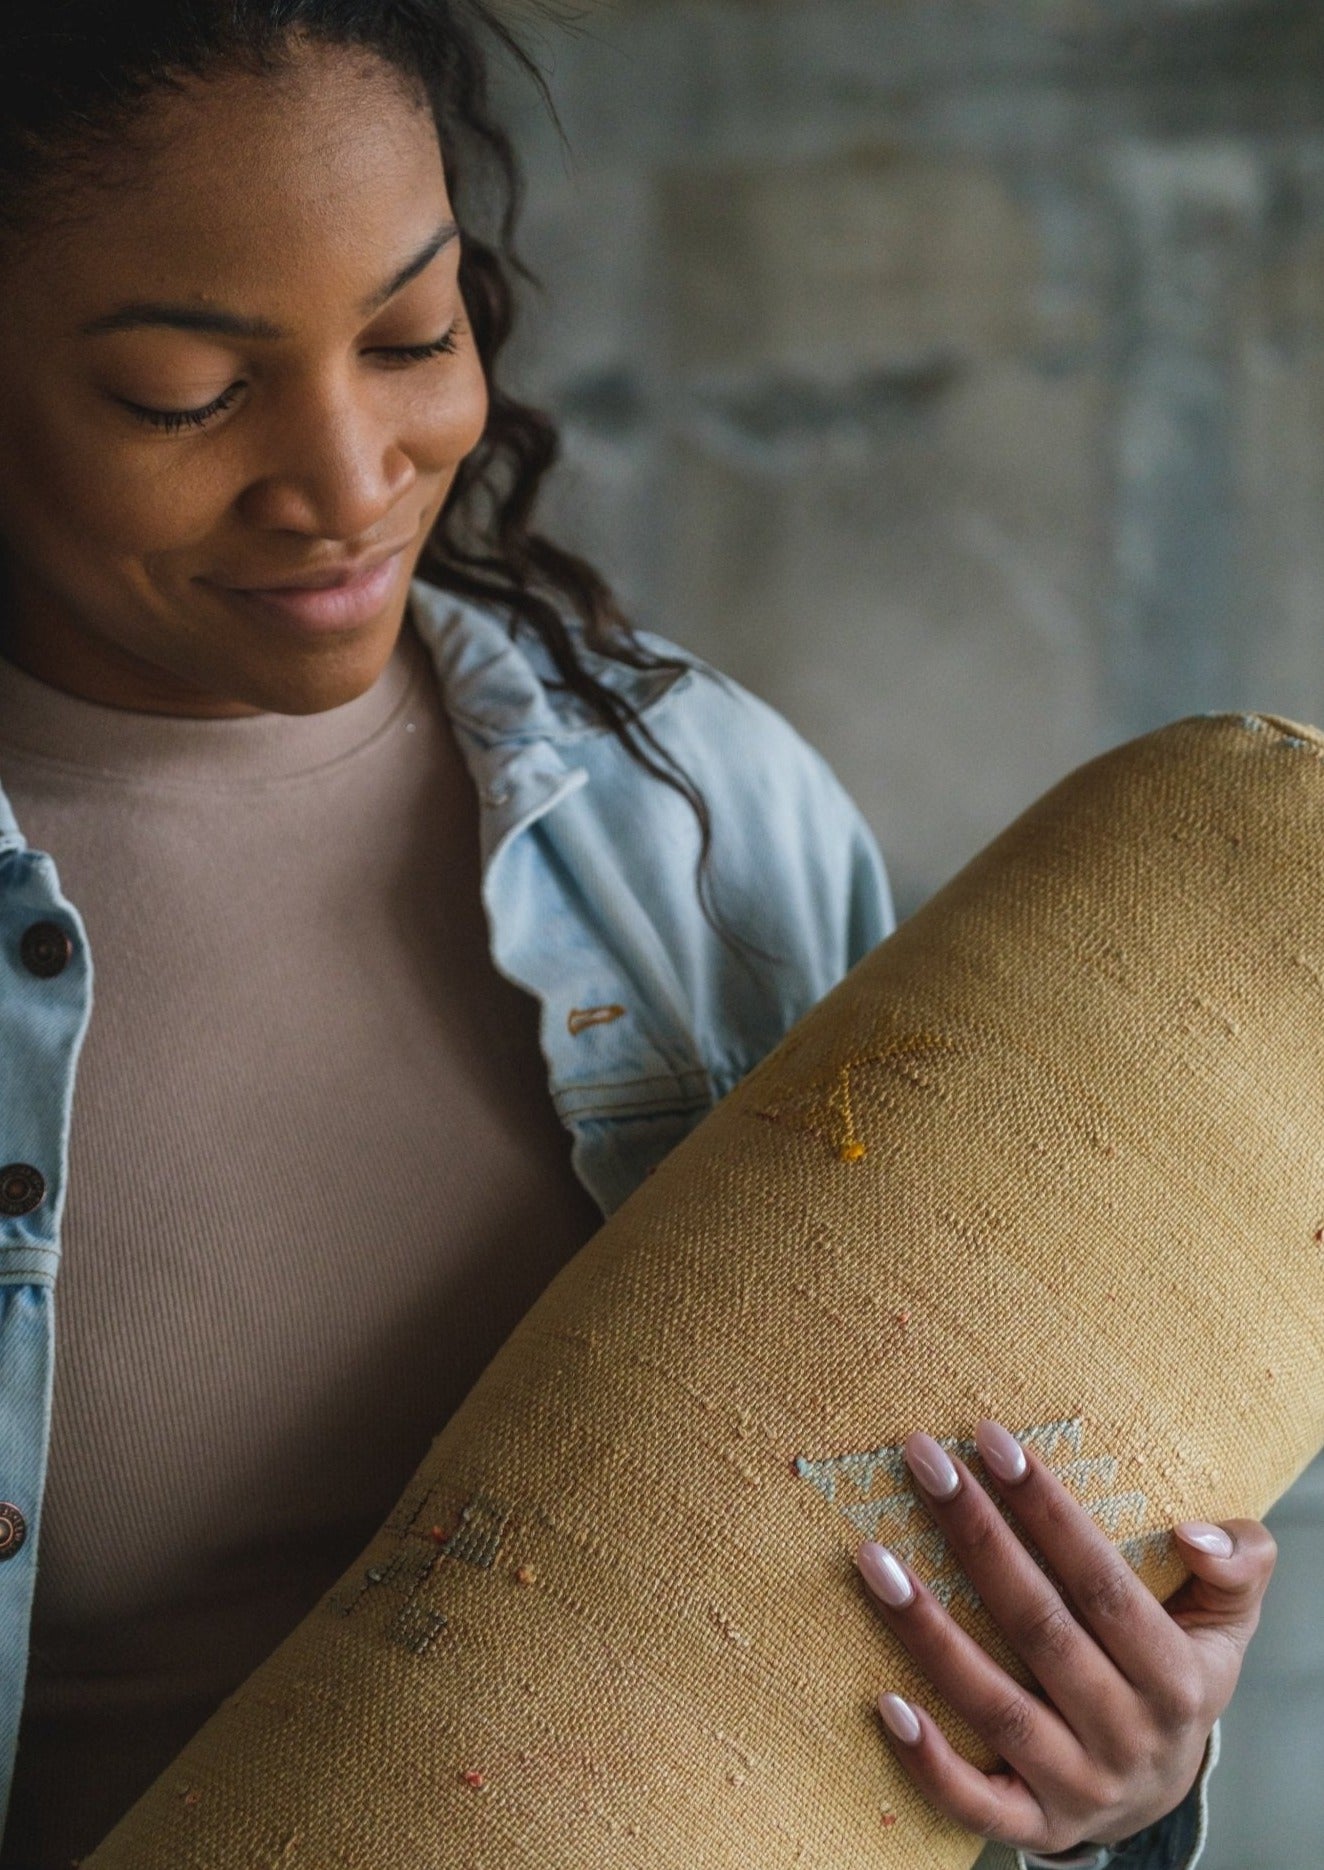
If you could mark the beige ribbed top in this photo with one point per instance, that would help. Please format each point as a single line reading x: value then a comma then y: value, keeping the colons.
x: 315, y: 1181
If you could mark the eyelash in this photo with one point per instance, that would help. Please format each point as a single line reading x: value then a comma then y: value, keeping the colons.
x: 174, y: 420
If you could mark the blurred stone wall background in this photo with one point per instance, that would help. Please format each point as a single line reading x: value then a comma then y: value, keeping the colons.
x: 951, y: 372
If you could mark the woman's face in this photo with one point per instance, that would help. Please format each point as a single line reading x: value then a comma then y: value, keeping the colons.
x: 295, y: 202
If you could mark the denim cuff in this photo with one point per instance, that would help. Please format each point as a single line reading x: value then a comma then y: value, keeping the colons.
x: 1088, y: 1857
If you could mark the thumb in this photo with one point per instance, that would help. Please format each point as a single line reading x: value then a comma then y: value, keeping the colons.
x: 1220, y: 1602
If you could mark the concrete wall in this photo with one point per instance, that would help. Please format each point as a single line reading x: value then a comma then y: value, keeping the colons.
x: 952, y: 373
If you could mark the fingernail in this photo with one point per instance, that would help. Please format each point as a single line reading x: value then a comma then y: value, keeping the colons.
x: 930, y: 1465
x: 900, y: 1717
x: 884, y: 1574
x: 1001, y: 1451
x: 1205, y: 1538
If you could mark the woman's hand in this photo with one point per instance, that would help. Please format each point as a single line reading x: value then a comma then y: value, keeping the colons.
x: 1133, y: 1686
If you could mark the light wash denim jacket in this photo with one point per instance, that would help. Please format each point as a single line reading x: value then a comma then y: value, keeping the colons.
x: 588, y: 883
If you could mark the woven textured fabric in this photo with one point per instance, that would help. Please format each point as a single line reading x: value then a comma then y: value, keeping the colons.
x: 1054, y: 1154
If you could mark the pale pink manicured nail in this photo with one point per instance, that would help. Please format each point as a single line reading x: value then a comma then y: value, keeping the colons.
x: 1002, y: 1452
x: 926, y: 1459
x: 900, y: 1717
x: 884, y: 1574
x: 1211, y: 1539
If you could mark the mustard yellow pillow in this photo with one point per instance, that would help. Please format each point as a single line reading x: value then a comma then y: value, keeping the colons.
x: 1055, y: 1153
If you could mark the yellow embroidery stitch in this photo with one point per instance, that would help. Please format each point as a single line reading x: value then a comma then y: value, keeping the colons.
x: 830, y: 1115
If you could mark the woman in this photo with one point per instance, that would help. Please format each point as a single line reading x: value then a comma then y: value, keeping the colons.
x: 405, y: 972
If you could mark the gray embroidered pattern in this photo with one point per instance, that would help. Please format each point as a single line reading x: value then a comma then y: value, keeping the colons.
x: 874, y: 1491
x: 477, y: 1538
x: 416, y: 1628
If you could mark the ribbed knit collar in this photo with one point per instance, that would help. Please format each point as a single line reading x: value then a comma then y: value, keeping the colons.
x: 37, y: 720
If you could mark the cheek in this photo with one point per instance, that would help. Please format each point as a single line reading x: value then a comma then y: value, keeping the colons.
x: 81, y: 501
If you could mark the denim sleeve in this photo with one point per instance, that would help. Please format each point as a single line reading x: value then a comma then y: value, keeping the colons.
x: 1173, y: 1843
x: 869, y: 915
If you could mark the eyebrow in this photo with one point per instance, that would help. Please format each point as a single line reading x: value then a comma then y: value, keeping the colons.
x: 231, y: 325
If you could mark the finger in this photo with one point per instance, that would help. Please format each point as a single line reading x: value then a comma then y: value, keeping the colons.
x: 1219, y: 1605
x: 1134, y: 1629
x: 993, y: 1805
x: 1032, y: 1737
x: 1082, y: 1682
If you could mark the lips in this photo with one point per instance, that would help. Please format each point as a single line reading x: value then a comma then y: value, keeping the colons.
x: 341, y: 607
x: 327, y: 578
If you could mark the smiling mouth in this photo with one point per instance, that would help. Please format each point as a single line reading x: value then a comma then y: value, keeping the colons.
x: 326, y: 607
x: 329, y: 578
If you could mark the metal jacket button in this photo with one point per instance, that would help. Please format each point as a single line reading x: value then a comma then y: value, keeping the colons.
x: 22, y: 1188
x: 45, y: 949
x: 13, y: 1529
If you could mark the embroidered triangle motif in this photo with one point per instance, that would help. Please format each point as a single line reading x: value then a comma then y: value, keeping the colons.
x: 873, y: 1490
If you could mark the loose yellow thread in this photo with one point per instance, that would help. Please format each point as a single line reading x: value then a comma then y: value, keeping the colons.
x: 830, y: 1113
x: 852, y: 1150
x: 581, y: 1018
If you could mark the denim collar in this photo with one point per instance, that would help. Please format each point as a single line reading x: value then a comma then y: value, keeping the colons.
x: 520, y: 739
x: 496, y: 688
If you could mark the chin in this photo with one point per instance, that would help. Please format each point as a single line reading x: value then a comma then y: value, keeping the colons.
x: 311, y: 666
x: 334, y: 689
x: 297, y: 682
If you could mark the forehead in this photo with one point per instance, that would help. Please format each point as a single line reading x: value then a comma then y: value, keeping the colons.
x: 310, y: 182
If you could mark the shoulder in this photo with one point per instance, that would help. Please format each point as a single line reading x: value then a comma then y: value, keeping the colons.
x: 784, y: 814
x: 736, y: 738
x: 795, y: 868
x: 743, y: 754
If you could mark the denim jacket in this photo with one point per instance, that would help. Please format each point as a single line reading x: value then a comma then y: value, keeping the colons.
x: 588, y: 884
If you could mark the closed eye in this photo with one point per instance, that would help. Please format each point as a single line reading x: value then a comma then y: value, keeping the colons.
x: 172, y: 420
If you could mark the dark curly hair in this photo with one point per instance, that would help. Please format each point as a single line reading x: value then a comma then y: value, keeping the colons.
x: 76, y: 81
